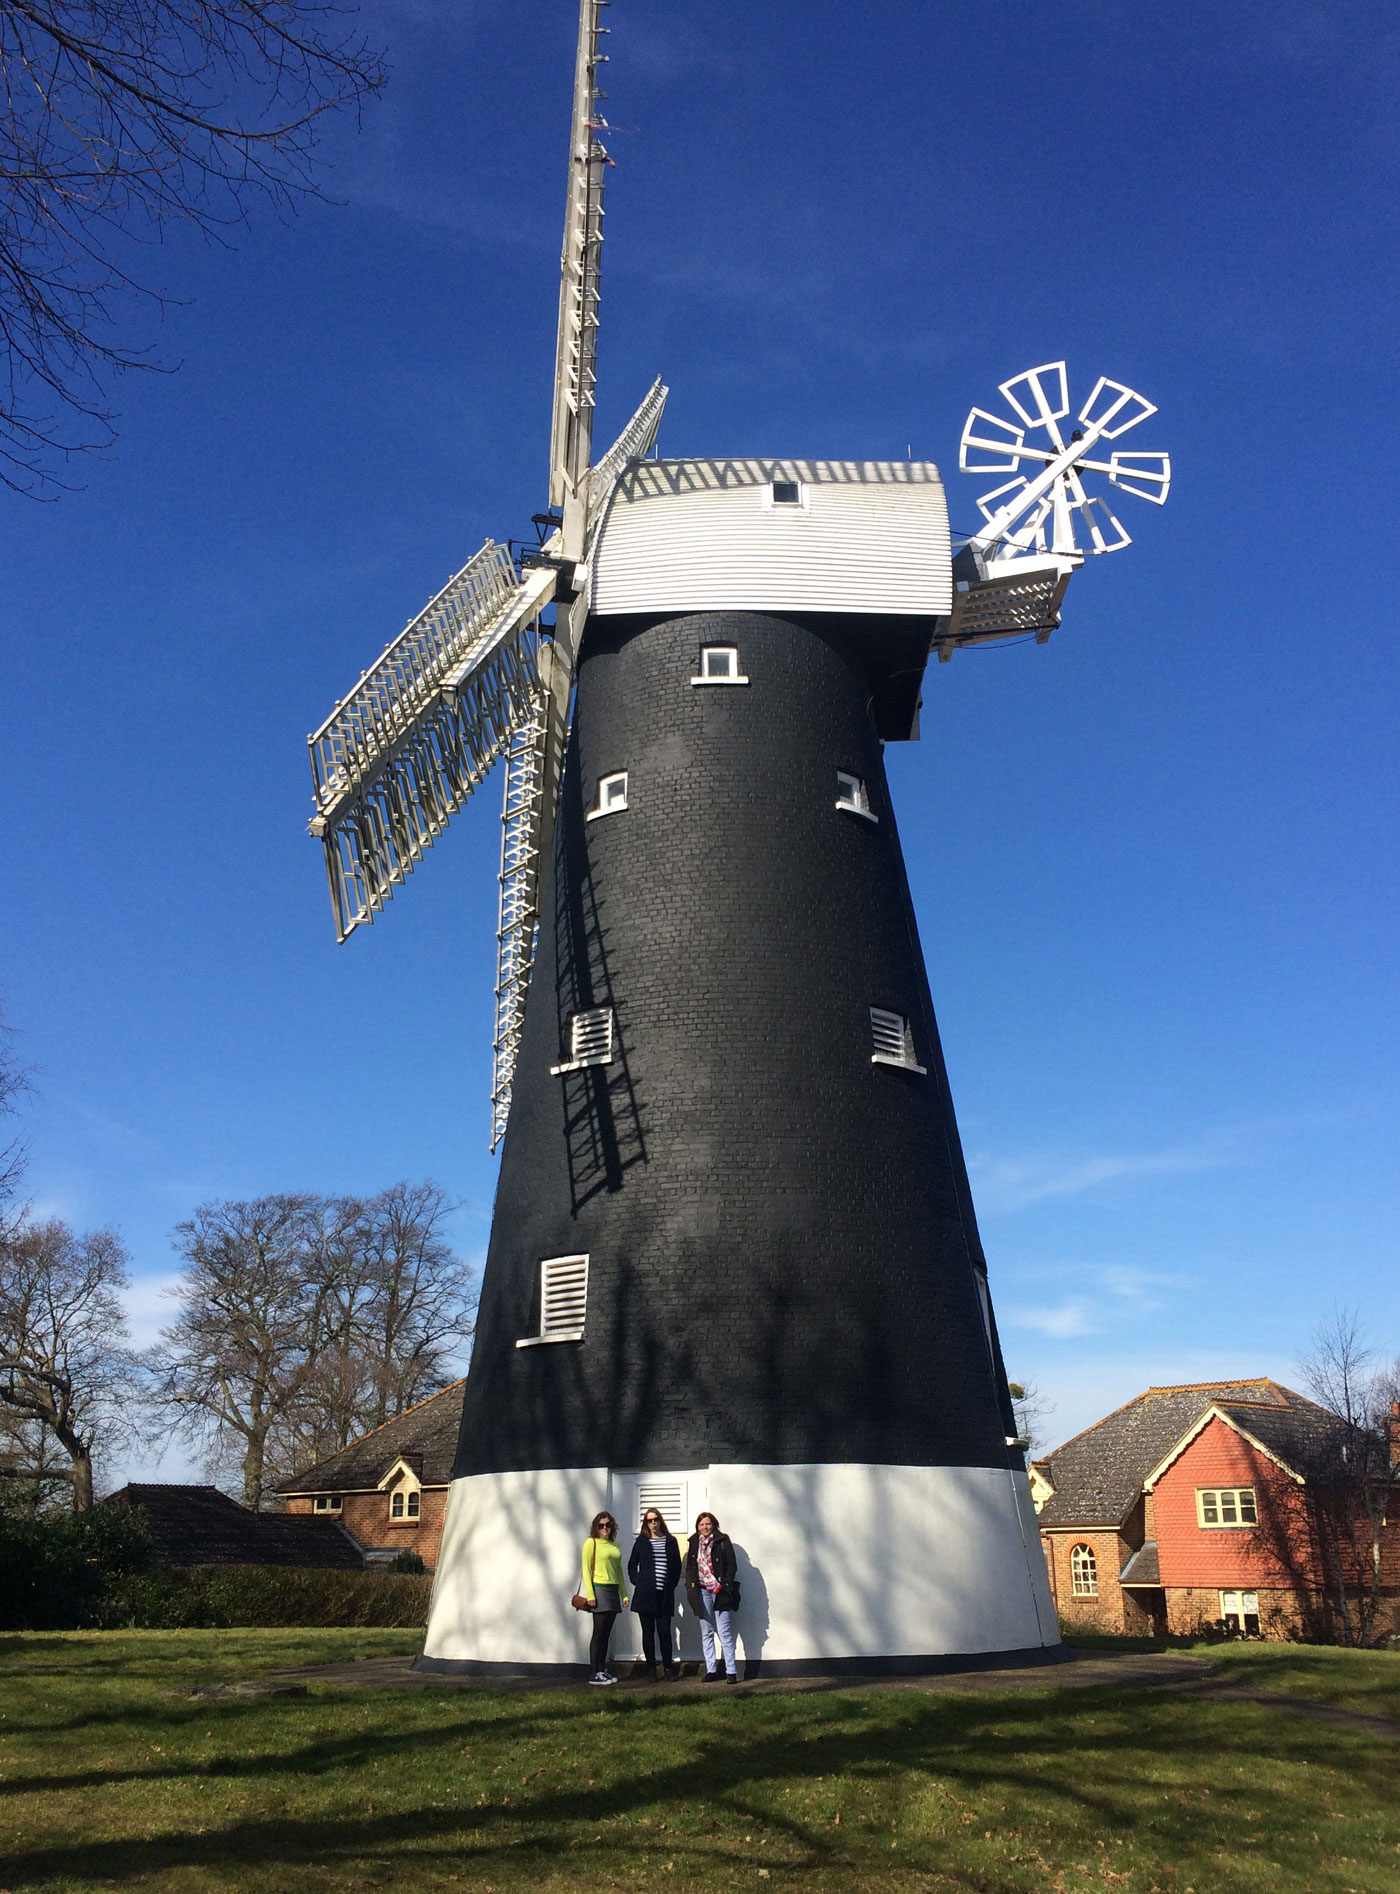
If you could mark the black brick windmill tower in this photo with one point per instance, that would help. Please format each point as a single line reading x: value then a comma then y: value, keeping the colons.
x: 734, y: 1261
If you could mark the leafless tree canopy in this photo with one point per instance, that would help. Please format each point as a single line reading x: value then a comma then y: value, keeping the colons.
x: 66, y: 1370
x: 14, y: 1083
x: 305, y: 1320
x: 118, y: 116
x: 1361, y: 1479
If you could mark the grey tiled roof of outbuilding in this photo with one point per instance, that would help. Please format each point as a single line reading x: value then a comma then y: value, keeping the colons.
x: 1098, y: 1475
x: 425, y: 1436
x: 199, y: 1525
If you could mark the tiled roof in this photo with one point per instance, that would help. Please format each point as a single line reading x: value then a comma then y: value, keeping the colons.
x: 1098, y: 1475
x: 199, y: 1525
x: 425, y: 1436
x: 1142, y: 1568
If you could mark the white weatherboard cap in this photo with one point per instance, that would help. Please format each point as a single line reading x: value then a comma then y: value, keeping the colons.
x: 730, y: 535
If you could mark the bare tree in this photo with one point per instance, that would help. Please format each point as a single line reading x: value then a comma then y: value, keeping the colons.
x: 65, y: 1360
x: 237, y: 1359
x: 1030, y: 1407
x: 14, y: 1083
x: 1358, y: 1475
x: 306, y: 1320
x: 119, y: 117
x: 400, y: 1304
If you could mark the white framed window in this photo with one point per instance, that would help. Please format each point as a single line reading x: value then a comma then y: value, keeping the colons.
x: 563, y: 1301
x: 612, y: 795
x: 893, y: 1039
x: 1240, y: 1612
x: 1220, y: 1506
x: 853, y: 796
x: 590, y: 1040
x: 1083, y: 1571
x: 326, y: 1503
x: 719, y: 664
x: 405, y: 1503
x: 788, y: 493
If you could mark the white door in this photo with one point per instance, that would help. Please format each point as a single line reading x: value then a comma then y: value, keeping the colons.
x: 678, y: 1497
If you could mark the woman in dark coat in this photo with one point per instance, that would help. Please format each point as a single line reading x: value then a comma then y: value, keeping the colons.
x: 655, y: 1569
x: 712, y: 1587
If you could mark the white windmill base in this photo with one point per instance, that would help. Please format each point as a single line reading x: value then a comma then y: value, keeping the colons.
x: 843, y: 1568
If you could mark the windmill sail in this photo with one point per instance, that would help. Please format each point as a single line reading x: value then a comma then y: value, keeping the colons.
x: 399, y: 756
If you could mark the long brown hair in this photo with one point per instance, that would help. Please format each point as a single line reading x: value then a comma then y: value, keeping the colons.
x: 601, y: 1519
x: 655, y: 1512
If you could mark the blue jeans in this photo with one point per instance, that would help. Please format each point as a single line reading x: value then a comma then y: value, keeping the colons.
x: 712, y: 1621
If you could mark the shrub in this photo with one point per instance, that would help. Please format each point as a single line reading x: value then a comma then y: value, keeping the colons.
x: 56, y: 1573
x: 408, y: 1562
x: 228, y: 1597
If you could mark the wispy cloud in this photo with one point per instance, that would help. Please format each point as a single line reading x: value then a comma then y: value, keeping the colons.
x: 1110, y: 1298
x: 149, y: 1307
x: 1005, y: 1184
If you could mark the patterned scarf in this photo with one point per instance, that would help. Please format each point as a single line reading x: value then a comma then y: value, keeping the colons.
x: 708, y: 1581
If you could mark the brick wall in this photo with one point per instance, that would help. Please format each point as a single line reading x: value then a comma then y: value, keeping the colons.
x: 1114, y: 1609
x: 365, y: 1516
x: 781, y: 1239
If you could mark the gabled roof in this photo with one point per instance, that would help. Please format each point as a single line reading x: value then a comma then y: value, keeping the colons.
x: 424, y: 1436
x: 199, y: 1525
x: 1099, y: 1474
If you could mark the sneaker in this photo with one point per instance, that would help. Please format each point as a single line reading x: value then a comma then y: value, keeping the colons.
x: 713, y: 1677
x: 731, y: 1677
x: 602, y: 1678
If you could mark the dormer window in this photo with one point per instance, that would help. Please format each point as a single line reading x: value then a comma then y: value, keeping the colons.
x: 612, y: 795
x: 853, y: 796
x: 590, y: 1040
x: 787, y: 493
x: 405, y: 1503
x: 719, y: 664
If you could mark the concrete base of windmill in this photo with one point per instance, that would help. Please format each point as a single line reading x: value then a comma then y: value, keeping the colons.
x: 844, y: 1569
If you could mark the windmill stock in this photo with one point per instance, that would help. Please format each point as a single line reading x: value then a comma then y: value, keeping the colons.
x: 734, y: 1260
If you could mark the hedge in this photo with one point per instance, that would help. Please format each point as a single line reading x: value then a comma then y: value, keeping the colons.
x: 229, y: 1597
x: 99, y: 1570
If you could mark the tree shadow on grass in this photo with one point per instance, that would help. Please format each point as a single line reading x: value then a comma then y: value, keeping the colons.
x: 1107, y: 1761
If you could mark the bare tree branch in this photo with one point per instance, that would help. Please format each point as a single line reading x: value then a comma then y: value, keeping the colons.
x: 305, y: 1320
x: 65, y: 1360
x: 118, y: 117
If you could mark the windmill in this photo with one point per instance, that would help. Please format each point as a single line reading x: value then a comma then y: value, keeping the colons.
x: 734, y: 1260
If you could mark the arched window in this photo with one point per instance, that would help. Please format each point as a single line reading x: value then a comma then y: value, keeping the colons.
x: 1084, y: 1571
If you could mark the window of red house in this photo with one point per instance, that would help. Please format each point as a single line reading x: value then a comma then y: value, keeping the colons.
x: 1226, y: 1506
x: 1084, y: 1571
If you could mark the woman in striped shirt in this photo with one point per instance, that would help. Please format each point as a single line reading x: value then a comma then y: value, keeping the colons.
x: 655, y: 1569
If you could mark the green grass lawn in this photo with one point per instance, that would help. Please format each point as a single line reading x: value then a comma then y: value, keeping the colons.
x: 1355, y: 1680
x: 108, y: 1784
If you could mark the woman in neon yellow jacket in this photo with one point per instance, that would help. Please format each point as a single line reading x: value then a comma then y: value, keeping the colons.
x: 602, y: 1586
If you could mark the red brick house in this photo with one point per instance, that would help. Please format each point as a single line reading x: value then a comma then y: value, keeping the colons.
x: 1197, y: 1505
x: 388, y: 1489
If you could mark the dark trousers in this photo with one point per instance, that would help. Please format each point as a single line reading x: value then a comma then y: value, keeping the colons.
x: 603, y: 1622
x: 656, y: 1638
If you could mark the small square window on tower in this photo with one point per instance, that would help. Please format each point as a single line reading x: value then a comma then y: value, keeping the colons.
x: 612, y: 795
x: 894, y: 1040
x: 563, y: 1301
x: 590, y: 1040
x: 787, y: 493
x: 853, y: 796
x: 719, y: 664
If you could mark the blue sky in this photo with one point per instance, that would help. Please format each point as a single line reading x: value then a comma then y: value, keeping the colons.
x: 1153, y: 861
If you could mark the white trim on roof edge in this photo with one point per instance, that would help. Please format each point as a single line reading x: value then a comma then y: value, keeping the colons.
x: 1217, y: 1413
